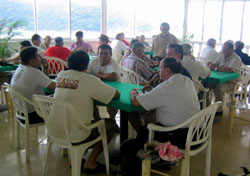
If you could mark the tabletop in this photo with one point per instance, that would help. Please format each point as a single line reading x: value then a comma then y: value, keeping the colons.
x: 8, y: 68
x: 217, y: 77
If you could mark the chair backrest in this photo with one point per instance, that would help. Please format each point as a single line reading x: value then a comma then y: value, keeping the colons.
x: 55, y: 113
x: 56, y: 65
x: 20, y: 103
x: 200, y: 129
x: 201, y: 89
x: 133, y: 77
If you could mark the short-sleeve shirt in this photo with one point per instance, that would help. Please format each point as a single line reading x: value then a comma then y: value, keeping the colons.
x: 83, y: 45
x: 29, y: 81
x: 161, y: 43
x: 233, y: 62
x: 139, y: 66
x: 59, y: 52
x: 118, y: 47
x: 210, y: 54
x: 95, y: 67
x: 80, y: 89
x: 175, y: 100
x: 195, y: 68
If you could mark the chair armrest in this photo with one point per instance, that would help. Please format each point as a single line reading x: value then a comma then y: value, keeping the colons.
x: 96, y: 124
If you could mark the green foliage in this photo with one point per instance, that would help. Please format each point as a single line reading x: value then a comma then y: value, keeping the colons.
x: 187, y: 38
x: 8, y: 29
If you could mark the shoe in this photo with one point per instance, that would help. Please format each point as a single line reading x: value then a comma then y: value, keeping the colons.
x: 3, y: 107
x: 219, y: 113
x: 99, y: 169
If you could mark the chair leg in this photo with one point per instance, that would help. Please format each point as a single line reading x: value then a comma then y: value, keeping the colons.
x: 208, y: 158
x: 146, y: 167
x: 231, y: 119
x: 106, y: 154
x: 185, y: 166
x: 27, y: 146
x: 17, y: 134
x: 76, y: 158
x: 46, y: 158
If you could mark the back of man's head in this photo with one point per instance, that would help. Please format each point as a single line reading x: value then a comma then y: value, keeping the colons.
x: 137, y: 45
x: 132, y: 42
x: 187, y: 48
x: 35, y: 37
x: 105, y: 46
x: 177, y: 48
x: 25, y: 43
x: 211, y: 42
x: 78, y: 60
x: 239, y: 45
x: 59, y: 41
x: 79, y: 34
x: 173, y: 65
x: 27, y: 54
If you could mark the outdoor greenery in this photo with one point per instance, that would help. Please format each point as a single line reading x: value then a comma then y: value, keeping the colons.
x: 8, y: 29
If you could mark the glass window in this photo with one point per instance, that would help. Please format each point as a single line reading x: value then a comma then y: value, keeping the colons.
x: 212, y: 20
x: 52, y: 18
x: 246, y: 25
x: 19, y: 10
x: 194, y: 19
x: 151, y: 14
x: 86, y: 17
x: 232, y: 20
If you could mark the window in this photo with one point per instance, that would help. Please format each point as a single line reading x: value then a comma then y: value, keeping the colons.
x: 86, y: 16
x: 232, y: 20
x: 212, y: 20
x: 52, y: 17
x: 19, y: 10
x: 246, y: 24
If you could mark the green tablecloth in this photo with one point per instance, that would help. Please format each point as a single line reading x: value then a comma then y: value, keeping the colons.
x: 8, y: 68
x: 149, y: 53
x: 124, y: 102
x: 220, y: 77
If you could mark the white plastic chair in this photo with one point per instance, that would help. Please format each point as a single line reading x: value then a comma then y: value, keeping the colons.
x: 133, y: 77
x: 55, y: 113
x: 56, y: 65
x: 239, y: 97
x: 5, y: 98
x: 199, y: 135
x: 200, y: 88
x: 21, y: 111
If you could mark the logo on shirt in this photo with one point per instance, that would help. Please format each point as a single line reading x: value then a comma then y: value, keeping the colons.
x: 67, y: 83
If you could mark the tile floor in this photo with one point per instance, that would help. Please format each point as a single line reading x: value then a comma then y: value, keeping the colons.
x: 228, y: 153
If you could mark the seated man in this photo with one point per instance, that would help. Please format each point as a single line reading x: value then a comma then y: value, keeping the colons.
x: 228, y: 62
x: 209, y: 52
x: 46, y: 43
x: 36, y: 42
x: 175, y: 101
x: 80, y: 44
x: 238, y: 50
x: 80, y: 89
x: 105, y: 68
x: 135, y: 62
x: 58, y: 50
x: 29, y: 80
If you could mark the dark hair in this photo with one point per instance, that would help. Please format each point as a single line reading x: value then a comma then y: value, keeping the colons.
x: 132, y: 42
x: 137, y: 45
x: 105, y: 46
x: 25, y: 43
x: 79, y: 34
x: 27, y: 54
x: 173, y: 65
x: 211, y: 41
x: 35, y: 37
x: 229, y: 45
x: 165, y: 24
x: 104, y: 38
x: 58, y: 40
x: 239, y: 45
x: 177, y: 48
x: 78, y: 60
x: 118, y: 36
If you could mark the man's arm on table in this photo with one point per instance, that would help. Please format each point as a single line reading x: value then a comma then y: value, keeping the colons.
x: 117, y: 95
x: 108, y: 76
x: 221, y: 69
x: 133, y: 94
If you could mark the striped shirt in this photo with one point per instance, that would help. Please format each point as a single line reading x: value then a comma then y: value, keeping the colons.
x: 139, y: 66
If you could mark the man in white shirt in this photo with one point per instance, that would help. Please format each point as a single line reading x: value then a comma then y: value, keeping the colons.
x: 209, y: 52
x: 118, y: 48
x: 36, y: 42
x: 175, y: 101
x: 80, y: 89
x: 29, y: 80
x: 228, y: 62
x: 105, y: 68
